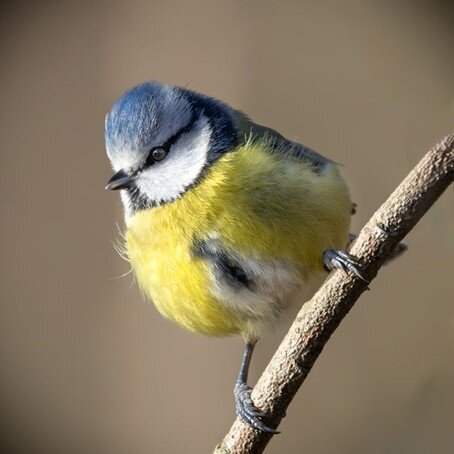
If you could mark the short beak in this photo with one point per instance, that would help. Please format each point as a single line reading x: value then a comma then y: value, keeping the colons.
x: 120, y: 180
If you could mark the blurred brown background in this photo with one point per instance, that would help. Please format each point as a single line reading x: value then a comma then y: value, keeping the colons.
x: 87, y: 366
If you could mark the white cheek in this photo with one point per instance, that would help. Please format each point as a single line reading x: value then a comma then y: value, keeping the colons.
x: 167, y: 180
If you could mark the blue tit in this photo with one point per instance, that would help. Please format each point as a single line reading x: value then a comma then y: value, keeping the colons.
x: 228, y: 223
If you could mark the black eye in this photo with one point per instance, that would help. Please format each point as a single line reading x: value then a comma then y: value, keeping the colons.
x: 158, y: 154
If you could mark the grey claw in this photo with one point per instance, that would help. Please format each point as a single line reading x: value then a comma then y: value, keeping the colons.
x: 250, y: 412
x: 339, y: 264
x: 342, y: 260
x: 250, y: 409
x: 346, y: 255
x: 247, y: 411
x: 259, y: 425
x: 355, y: 270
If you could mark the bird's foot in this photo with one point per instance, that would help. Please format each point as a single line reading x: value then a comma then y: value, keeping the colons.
x: 247, y: 411
x: 333, y: 258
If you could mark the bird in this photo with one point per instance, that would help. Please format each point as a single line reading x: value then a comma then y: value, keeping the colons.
x: 227, y: 222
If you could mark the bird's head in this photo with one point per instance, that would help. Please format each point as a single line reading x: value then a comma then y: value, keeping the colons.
x: 161, y: 140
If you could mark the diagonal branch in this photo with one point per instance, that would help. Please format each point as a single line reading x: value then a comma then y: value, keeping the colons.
x: 320, y: 317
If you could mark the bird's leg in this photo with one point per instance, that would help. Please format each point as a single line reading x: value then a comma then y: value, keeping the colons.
x: 245, y: 408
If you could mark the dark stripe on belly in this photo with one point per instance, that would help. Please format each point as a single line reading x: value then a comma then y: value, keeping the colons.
x: 225, y: 266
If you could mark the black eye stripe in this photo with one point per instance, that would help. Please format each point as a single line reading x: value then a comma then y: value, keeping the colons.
x: 179, y: 133
x: 166, y: 146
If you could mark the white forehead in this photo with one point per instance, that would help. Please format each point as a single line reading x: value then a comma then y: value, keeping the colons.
x: 167, y: 180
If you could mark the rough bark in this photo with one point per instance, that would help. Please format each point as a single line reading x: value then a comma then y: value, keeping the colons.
x: 320, y: 317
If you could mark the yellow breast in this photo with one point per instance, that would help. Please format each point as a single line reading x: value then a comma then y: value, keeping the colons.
x: 258, y: 203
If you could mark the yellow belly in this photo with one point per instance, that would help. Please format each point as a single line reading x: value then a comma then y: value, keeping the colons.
x: 259, y: 204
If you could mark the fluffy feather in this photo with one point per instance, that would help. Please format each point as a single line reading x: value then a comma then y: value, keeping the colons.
x: 269, y: 208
